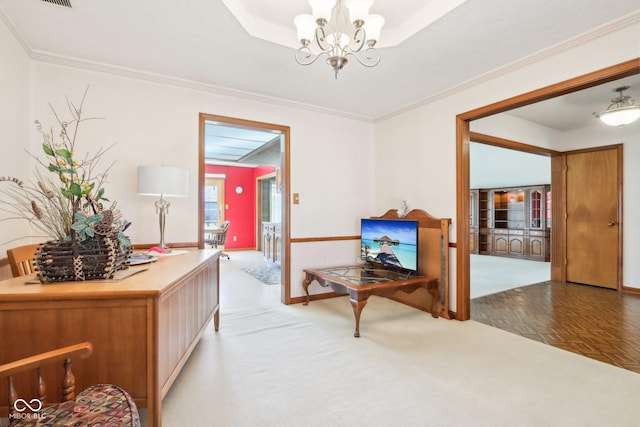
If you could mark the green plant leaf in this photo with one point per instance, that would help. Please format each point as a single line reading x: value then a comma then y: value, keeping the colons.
x: 75, y: 189
x: 47, y: 150
x: 65, y: 154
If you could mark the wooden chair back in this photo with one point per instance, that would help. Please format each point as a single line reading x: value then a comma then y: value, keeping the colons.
x: 82, y: 350
x: 21, y: 259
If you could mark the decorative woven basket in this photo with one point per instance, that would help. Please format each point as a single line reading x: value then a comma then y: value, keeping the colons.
x: 91, y: 259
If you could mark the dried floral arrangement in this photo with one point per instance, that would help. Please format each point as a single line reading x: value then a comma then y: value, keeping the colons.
x: 68, y: 206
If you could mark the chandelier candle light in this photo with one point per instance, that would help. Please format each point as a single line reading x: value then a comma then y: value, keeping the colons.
x: 621, y: 111
x: 330, y: 25
x: 162, y: 181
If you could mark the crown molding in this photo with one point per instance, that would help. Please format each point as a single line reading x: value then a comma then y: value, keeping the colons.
x: 188, y: 84
x: 168, y: 80
x: 14, y: 31
x: 611, y: 27
x: 630, y: 19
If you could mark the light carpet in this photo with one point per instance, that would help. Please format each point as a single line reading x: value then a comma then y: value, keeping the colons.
x: 494, y: 274
x: 297, y: 365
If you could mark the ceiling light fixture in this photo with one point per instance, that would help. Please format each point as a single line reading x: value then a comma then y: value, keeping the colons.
x: 329, y: 27
x: 621, y: 111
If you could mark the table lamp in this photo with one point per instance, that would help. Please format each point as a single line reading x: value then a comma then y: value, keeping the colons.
x: 162, y: 181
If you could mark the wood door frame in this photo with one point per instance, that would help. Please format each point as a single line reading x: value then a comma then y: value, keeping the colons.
x: 463, y: 138
x: 285, y: 294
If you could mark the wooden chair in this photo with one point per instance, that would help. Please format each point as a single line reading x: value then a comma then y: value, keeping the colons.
x: 103, y: 404
x: 219, y: 237
x: 21, y: 259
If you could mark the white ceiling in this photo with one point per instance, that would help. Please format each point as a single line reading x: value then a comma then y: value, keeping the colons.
x: 274, y: 22
x: 201, y: 41
x: 575, y: 110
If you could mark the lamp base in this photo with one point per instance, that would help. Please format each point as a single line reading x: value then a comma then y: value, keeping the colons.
x: 162, y: 208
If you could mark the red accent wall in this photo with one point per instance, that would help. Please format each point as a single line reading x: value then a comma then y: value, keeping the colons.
x: 240, y: 209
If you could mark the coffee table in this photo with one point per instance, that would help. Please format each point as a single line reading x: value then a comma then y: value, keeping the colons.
x: 362, y: 281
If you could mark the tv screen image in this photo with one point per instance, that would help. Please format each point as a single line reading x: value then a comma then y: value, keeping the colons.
x: 390, y: 242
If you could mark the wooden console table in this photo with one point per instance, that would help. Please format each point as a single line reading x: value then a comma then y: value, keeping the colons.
x: 143, y: 328
x: 361, y: 281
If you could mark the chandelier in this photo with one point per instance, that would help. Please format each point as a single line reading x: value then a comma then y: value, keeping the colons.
x: 341, y: 29
x: 621, y: 111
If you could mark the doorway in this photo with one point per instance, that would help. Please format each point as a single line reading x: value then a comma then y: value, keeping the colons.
x: 463, y: 134
x: 239, y: 143
x: 508, y: 254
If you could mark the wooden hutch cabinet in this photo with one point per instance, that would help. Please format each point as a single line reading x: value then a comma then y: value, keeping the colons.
x: 513, y: 222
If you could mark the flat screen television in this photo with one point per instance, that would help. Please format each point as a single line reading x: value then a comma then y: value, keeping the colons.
x: 390, y: 242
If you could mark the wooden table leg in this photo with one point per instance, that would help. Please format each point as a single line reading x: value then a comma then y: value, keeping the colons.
x: 357, y: 309
x: 305, y: 285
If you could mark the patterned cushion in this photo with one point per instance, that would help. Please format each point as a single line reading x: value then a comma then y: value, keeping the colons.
x: 103, y: 405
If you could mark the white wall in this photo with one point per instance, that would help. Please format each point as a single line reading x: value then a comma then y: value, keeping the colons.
x: 14, y: 123
x: 492, y: 167
x: 516, y: 129
x: 339, y: 176
x: 497, y: 167
x: 426, y: 135
x: 156, y: 123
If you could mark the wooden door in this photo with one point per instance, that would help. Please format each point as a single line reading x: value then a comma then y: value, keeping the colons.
x: 592, y: 218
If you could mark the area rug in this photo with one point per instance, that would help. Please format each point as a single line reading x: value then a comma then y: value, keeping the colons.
x: 267, y: 275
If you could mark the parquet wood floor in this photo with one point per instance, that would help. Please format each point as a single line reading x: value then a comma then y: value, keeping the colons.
x: 598, y: 323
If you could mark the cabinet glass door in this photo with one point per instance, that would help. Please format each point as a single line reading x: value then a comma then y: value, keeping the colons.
x: 537, y: 212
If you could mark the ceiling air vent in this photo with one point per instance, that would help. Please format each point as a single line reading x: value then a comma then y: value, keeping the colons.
x: 65, y: 3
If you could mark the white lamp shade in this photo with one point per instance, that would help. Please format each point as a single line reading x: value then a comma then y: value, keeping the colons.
x: 321, y: 9
x: 372, y: 27
x: 358, y: 9
x: 162, y: 181
x: 620, y: 116
x: 306, y: 26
